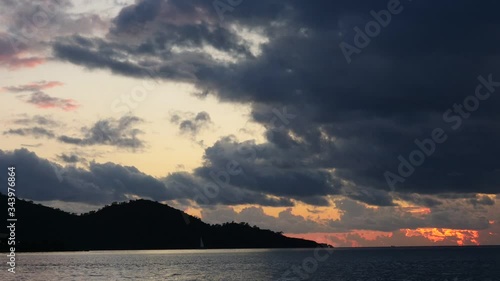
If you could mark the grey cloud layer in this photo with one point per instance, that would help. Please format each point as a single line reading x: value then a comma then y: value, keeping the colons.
x: 99, y: 184
x: 36, y: 132
x: 40, y: 120
x: 119, y: 133
x: 353, y: 119
x: 356, y: 216
x: 29, y: 26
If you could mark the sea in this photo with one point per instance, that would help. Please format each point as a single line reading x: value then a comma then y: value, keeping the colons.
x: 338, y: 264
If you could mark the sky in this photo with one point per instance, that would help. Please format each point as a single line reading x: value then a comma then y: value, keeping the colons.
x: 354, y: 123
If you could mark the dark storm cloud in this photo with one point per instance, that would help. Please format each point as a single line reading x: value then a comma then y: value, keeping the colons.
x: 421, y: 200
x: 212, y: 191
x: 481, y: 200
x: 353, y: 120
x: 280, y: 174
x: 120, y: 133
x: 100, y: 184
x: 355, y: 215
x: 104, y: 183
x: 175, y: 23
x: 369, y: 195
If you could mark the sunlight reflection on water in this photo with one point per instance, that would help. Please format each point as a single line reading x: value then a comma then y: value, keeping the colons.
x: 263, y: 264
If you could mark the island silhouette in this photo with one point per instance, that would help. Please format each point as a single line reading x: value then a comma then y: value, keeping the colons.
x: 134, y: 225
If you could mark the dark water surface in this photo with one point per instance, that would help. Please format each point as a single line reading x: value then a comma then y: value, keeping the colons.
x: 408, y: 264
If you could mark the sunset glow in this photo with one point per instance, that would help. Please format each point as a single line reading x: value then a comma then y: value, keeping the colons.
x: 462, y: 237
x: 266, y: 113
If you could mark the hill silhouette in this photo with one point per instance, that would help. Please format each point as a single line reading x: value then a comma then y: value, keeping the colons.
x: 139, y: 224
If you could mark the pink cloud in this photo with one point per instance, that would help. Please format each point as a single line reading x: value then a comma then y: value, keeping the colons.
x: 16, y: 63
x: 15, y: 60
x: 42, y: 100
x: 405, y: 237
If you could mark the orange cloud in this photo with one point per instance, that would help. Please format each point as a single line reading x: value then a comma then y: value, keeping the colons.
x: 16, y: 63
x: 403, y: 237
x: 419, y: 210
x: 461, y: 236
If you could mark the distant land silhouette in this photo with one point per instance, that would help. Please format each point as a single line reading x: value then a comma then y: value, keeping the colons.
x: 134, y: 225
